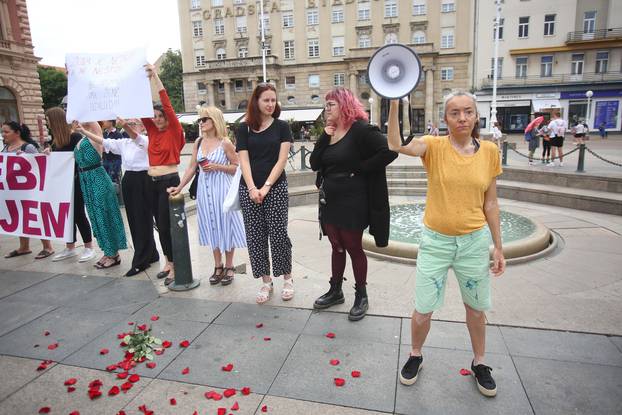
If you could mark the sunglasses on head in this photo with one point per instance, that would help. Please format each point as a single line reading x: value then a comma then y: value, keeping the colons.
x: 204, y: 119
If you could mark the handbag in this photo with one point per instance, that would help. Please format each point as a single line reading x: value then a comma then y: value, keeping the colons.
x: 232, y: 199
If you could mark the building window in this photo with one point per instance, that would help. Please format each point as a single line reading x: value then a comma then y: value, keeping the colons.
x: 195, y: 4
x: 589, y: 22
x: 523, y: 27
x: 418, y: 37
x: 549, y: 24
x: 501, y: 23
x: 521, y: 67
x: 216, y: 3
x: 221, y: 53
x: 239, y: 85
x: 546, y: 66
x: 576, y: 63
x: 339, y: 79
x: 419, y: 7
x: 199, y: 59
x: 602, y: 61
x: 390, y: 38
x: 219, y: 27
x: 447, y: 74
x: 363, y: 11
x: 499, y: 67
x: 338, y: 46
x: 290, y: 82
x: 364, y: 41
x: 314, y: 81
x: 447, y: 39
x: 221, y: 87
x: 240, y: 24
x: 249, y: 85
x: 288, y: 49
x: 288, y: 20
x: 239, y: 1
x: 363, y: 78
x: 315, y: 99
x: 313, y: 17
x: 242, y: 52
x: 448, y: 6
x: 197, y: 28
x: 268, y: 49
x: 313, y: 47
x: 337, y: 15
x: 291, y: 99
x: 266, y: 22
x: 390, y: 8
x: 201, y: 87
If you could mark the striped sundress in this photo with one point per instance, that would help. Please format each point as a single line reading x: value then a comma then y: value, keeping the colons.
x: 218, y: 230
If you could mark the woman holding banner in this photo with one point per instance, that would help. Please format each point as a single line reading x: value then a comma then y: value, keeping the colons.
x: 166, y: 140
x: 65, y: 140
x: 17, y: 140
x: 99, y: 195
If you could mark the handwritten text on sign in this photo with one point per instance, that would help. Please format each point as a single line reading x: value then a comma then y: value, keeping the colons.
x: 36, y: 195
x: 105, y: 86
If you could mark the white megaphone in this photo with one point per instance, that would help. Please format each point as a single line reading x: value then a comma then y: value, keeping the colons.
x: 394, y: 71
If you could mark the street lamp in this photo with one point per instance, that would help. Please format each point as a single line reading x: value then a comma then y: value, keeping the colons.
x: 589, y: 95
x: 371, y: 110
x: 495, y: 74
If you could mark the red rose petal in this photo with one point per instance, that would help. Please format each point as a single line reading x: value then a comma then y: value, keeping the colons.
x: 264, y: 408
x: 145, y: 410
x: 122, y: 375
x: 340, y: 381
x: 130, y: 323
x: 173, y: 401
x: 356, y: 374
x: 222, y: 411
x: 46, y: 333
x: 53, y: 346
x: 267, y: 339
x: 70, y: 389
x: 150, y: 365
x: 246, y: 390
x: 126, y: 386
x: 121, y: 412
x: 94, y: 393
x: 114, y: 391
x: 75, y: 413
x: 120, y: 336
x: 195, y: 413
x: 334, y: 362
x: 229, y: 392
x: 95, y: 384
x: 111, y: 368
x: 166, y: 344
x: 158, y: 351
x: 330, y: 335
x: 142, y: 327
x: 45, y: 410
x: 71, y: 381
x: 104, y: 351
x: 184, y: 343
x: 227, y: 368
x: 213, y: 395
x: 134, y: 378
x: 235, y: 406
x: 155, y: 318
x: 465, y: 372
x: 259, y: 325
x: 185, y: 371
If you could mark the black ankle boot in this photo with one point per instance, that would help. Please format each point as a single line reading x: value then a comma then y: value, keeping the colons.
x: 359, y: 309
x: 332, y: 297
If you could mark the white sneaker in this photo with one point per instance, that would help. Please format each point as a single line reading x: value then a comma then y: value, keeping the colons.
x: 531, y: 163
x: 551, y: 164
x: 66, y: 253
x: 561, y: 164
x: 87, y: 253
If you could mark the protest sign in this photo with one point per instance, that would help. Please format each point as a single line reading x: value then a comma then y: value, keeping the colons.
x: 106, y: 86
x: 36, y: 195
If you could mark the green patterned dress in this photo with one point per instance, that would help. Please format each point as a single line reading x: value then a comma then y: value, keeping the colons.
x: 100, y: 200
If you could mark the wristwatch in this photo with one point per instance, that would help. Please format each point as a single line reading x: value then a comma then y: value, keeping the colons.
x: 267, y: 183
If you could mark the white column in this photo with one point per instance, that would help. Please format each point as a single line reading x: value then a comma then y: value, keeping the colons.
x: 227, y: 83
x: 429, y: 96
x: 210, y: 93
x: 353, y: 83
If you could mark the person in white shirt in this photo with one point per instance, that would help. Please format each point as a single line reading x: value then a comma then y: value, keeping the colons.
x: 557, y: 128
x: 496, y: 134
x: 579, y: 132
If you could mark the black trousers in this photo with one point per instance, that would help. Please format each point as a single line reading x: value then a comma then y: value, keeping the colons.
x: 137, y: 194
x: 161, y: 211
x: 80, y: 220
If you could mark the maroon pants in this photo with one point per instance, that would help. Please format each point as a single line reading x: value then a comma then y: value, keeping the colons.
x: 343, y: 240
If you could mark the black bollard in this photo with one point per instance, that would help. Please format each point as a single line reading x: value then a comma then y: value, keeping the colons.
x: 181, y: 248
x: 504, y: 153
x: 581, y: 163
x: 304, y: 153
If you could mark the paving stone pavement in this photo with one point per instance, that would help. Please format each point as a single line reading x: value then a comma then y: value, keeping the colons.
x: 285, y: 362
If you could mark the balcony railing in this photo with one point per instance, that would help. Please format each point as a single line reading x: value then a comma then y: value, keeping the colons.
x: 238, y: 62
x: 5, y: 44
x: 586, y: 77
x: 601, y: 34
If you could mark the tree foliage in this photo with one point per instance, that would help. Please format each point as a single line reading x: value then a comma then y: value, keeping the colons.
x: 171, y: 75
x: 53, y: 86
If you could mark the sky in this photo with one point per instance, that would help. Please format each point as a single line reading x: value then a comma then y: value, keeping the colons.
x: 59, y: 27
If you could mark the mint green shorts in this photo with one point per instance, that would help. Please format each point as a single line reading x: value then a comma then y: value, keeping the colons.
x: 467, y: 255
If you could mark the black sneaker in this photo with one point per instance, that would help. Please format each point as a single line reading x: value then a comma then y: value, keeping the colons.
x: 408, y: 374
x: 485, y: 383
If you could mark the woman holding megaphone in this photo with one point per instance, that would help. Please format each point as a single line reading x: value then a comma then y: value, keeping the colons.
x: 461, y: 199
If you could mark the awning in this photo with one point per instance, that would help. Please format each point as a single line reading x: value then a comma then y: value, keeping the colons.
x: 188, y: 118
x: 308, y: 114
x: 232, y: 117
x: 507, y: 104
x: 543, y: 104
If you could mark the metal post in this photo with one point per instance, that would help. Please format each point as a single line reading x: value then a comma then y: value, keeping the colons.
x: 181, y: 248
x: 263, y: 40
x: 504, y: 158
x: 303, y: 158
x: 495, y: 74
x: 581, y: 163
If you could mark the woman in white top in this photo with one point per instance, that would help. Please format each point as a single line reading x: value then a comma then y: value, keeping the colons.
x: 496, y: 134
x: 136, y: 187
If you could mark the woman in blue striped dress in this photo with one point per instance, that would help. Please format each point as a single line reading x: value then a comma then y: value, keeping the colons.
x: 217, y: 161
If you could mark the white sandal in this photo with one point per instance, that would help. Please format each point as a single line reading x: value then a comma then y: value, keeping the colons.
x: 288, y: 289
x: 265, y: 292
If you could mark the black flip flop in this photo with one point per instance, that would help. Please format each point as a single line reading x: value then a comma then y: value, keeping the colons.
x: 16, y: 253
x: 44, y: 254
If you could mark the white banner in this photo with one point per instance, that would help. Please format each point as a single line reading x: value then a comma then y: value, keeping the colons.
x: 106, y: 86
x: 36, y: 195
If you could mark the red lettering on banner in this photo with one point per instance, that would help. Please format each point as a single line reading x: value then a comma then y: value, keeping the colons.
x: 13, y: 215
x: 58, y: 223
x: 28, y: 216
x: 19, y: 167
x: 42, y: 162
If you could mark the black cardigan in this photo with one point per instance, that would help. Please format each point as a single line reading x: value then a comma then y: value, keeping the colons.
x: 375, y: 155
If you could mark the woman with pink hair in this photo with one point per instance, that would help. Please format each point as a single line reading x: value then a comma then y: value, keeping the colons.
x: 350, y: 158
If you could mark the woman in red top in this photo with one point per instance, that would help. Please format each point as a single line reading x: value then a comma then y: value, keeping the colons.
x: 166, y: 140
